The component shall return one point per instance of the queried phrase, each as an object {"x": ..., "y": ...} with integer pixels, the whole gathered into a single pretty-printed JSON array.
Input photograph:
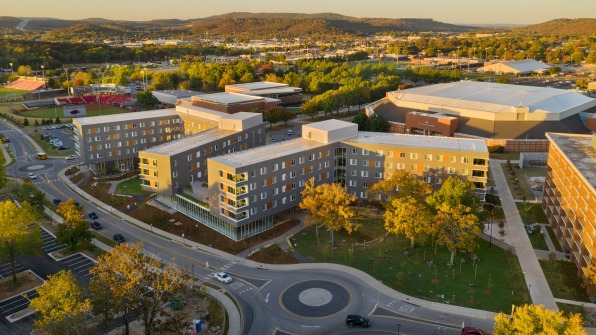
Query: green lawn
[
  {"x": 563, "y": 280},
  {"x": 531, "y": 213},
  {"x": 10, "y": 92},
  {"x": 131, "y": 186},
  {"x": 497, "y": 280}
]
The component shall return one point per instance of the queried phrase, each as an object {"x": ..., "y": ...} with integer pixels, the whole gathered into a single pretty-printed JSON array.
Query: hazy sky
[{"x": 449, "y": 11}]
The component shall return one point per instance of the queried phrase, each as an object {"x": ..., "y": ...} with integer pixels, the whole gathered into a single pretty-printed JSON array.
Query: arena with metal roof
[
  {"x": 518, "y": 67},
  {"x": 490, "y": 110}
]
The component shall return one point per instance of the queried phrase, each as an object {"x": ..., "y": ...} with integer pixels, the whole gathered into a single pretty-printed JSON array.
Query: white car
[
  {"x": 223, "y": 277},
  {"x": 71, "y": 157},
  {"x": 31, "y": 176}
]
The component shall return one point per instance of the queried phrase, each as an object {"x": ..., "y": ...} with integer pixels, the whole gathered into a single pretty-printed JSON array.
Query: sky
[{"x": 448, "y": 11}]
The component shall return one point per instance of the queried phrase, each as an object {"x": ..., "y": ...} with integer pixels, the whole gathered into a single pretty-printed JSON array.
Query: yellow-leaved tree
[
  {"x": 535, "y": 319},
  {"x": 60, "y": 306},
  {"x": 19, "y": 235},
  {"x": 74, "y": 229},
  {"x": 329, "y": 205}
]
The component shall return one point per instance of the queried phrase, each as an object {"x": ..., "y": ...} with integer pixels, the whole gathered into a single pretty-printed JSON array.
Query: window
[
  {"x": 117, "y": 127},
  {"x": 327, "y": 164},
  {"x": 428, "y": 157},
  {"x": 464, "y": 172},
  {"x": 263, "y": 170},
  {"x": 301, "y": 160},
  {"x": 108, "y": 145},
  {"x": 450, "y": 170},
  {"x": 354, "y": 151},
  {"x": 352, "y": 183},
  {"x": 479, "y": 161},
  {"x": 292, "y": 197},
  {"x": 252, "y": 186},
  {"x": 379, "y": 153},
  {"x": 311, "y": 157},
  {"x": 428, "y": 180},
  {"x": 292, "y": 174},
  {"x": 378, "y": 175},
  {"x": 437, "y": 180},
  {"x": 365, "y": 184},
  {"x": 414, "y": 167},
  {"x": 440, "y": 169},
  {"x": 174, "y": 174},
  {"x": 426, "y": 168},
  {"x": 452, "y": 159},
  {"x": 413, "y": 155},
  {"x": 389, "y": 153},
  {"x": 364, "y": 173},
  {"x": 301, "y": 183},
  {"x": 401, "y": 166},
  {"x": 440, "y": 158},
  {"x": 389, "y": 175},
  {"x": 363, "y": 195},
  {"x": 353, "y": 161},
  {"x": 97, "y": 138},
  {"x": 264, "y": 195},
  {"x": 365, "y": 152},
  {"x": 389, "y": 165},
  {"x": 365, "y": 163},
  {"x": 275, "y": 167},
  {"x": 465, "y": 160},
  {"x": 377, "y": 164},
  {"x": 106, "y": 129}
]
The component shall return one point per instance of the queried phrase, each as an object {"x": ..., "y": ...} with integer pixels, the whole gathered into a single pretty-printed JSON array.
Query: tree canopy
[
  {"x": 535, "y": 319},
  {"x": 74, "y": 229}
]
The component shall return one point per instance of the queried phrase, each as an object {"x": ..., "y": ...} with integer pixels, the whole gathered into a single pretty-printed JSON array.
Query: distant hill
[
  {"x": 9, "y": 22},
  {"x": 562, "y": 27},
  {"x": 248, "y": 25}
]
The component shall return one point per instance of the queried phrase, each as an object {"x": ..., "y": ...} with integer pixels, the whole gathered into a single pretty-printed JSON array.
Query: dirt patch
[
  {"x": 273, "y": 255},
  {"x": 25, "y": 282}
]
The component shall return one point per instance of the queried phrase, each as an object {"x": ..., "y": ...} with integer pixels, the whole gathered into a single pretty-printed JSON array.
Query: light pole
[
  {"x": 11, "y": 72},
  {"x": 486, "y": 49},
  {"x": 43, "y": 77},
  {"x": 398, "y": 325},
  {"x": 183, "y": 242}
]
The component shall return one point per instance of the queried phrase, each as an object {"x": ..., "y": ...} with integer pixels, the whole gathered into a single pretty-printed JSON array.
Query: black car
[
  {"x": 92, "y": 215},
  {"x": 357, "y": 320},
  {"x": 95, "y": 225},
  {"x": 62, "y": 148},
  {"x": 118, "y": 238},
  {"x": 57, "y": 201}
]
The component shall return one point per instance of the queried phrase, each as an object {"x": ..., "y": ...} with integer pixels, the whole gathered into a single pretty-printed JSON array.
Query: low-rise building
[
  {"x": 230, "y": 103},
  {"x": 286, "y": 94}
]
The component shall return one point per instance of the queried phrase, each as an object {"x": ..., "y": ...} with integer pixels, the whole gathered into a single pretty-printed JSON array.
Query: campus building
[
  {"x": 246, "y": 189},
  {"x": 569, "y": 199},
  {"x": 286, "y": 94},
  {"x": 230, "y": 103}
]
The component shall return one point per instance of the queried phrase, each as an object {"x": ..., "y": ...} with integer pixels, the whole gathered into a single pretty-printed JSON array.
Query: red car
[{"x": 473, "y": 331}]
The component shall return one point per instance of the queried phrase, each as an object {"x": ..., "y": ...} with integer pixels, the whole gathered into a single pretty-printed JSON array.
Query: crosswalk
[{"x": 236, "y": 285}]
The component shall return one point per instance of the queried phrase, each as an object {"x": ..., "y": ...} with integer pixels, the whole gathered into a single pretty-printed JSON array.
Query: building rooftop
[
  {"x": 579, "y": 150},
  {"x": 277, "y": 90},
  {"x": 519, "y": 66},
  {"x": 260, "y": 85},
  {"x": 495, "y": 98},
  {"x": 179, "y": 93},
  {"x": 225, "y": 98},
  {"x": 90, "y": 120},
  {"x": 187, "y": 143},
  {"x": 428, "y": 142},
  {"x": 263, "y": 153},
  {"x": 328, "y": 125}
]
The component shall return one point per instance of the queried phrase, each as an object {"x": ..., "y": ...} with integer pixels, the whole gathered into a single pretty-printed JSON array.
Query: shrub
[{"x": 496, "y": 149}]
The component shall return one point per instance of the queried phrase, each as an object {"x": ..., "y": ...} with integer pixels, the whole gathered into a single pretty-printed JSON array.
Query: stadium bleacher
[
  {"x": 89, "y": 99},
  {"x": 26, "y": 85}
]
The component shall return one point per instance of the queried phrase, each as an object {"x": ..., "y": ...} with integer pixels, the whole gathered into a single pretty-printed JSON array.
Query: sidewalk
[{"x": 540, "y": 292}]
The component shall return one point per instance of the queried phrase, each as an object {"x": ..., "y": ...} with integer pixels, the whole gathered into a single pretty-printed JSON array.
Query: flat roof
[
  {"x": 267, "y": 152},
  {"x": 190, "y": 142},
  {"x": 259, "y": 85},
  {"x": 179, "y": 93},
  {"x": 131, "y": 116},
  {"x": 328, "y": 125},
  {"x": 493, "y": 97},
  {"x": 273, "y": 90},
  {"x": 227, "y": 98},
  {"x": 579, "y": 150},
  {"x": 419, "y": 141}
]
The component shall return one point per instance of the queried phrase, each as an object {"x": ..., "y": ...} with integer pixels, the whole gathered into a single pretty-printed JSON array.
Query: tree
[
  {"x": 60, "y": 306},
  {"x": 273, "y": 116},
  {"x": 590, "y": 277},
  {"x": 503, "y": 80},
  {"x": 409, "y": 216},
  {"x": 378, "y": 123},
  {"x": 19, "y": 235},
  {"x": 535, "y": 319},
  {"x": 286, "y": 115},
  {"x": 137, "y": 285},
  {"x": 74, "y": 229},
  {"x": 361, "y": 95},
  {"x": 401, "y": 184},
  {"x": 361, "y": 119},
  {"x": 311, "y": 108},
  {"x": 25, "y": 122},
  {"x": 458, "y": 219},
  {"x": 146, "y": 99},
  {"x": 328, "y": 204}
]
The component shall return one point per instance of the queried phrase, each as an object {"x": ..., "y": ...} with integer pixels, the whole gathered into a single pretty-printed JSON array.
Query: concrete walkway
[{"x": 540, "y": 292}]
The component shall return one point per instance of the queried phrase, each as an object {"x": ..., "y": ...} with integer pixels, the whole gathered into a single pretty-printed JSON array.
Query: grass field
[
  {"x": 10, "y": 92},
  {"x": 92, "y": 110},
  {"x": 131, "y": 186},
  {"x": 494, "y": 283}
]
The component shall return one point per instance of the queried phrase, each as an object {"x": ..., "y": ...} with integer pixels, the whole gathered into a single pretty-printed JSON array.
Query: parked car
[
  {"x": 357, "y": 320},
  {"x": 223, "y": 277},
  {"x": 473, "y": 331},
  {"x": 62, "y": 148},
  {"x": 118, "y": 238},
  {"x": 92, "y": 215},
  {"x": 57, "y": 144},
  {"x": 71, "y": 157},
  {"x": 6, "y": 140},
  {"x": 57, "y": 201},
  {"x": 31, "y": 175},
  {"x": 95, "y": 225}
]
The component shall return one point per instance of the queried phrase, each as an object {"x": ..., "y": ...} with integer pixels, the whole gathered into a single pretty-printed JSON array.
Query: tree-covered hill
[{"x": 573, "y": 27}]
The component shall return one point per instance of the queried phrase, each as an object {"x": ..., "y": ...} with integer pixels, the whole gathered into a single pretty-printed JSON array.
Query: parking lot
[{"x": 62, "y": 133}]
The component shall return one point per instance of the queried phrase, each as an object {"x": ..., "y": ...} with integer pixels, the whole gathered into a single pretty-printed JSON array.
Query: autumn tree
[
  {"x": 60, "y": 306},
  {"x": 311, "y": 108},
  {"x": 74, "y": 229},
  {"x": 273, "y": 116},
  {"x": 409, "y": 216},
  {"x": 286, "y": 115},
  {"x": 329, "y": 205},
  {"x": 459, "y": 215},
  {"x": 590, "y": 276},
  {"x": 131, "y": 284},
  {"x": 535, "y": 319},
  {"x": 19, "y": 235},
  {"x": 401, "y": 184}
]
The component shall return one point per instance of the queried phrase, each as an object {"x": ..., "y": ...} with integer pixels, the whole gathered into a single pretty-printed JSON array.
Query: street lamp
[
  {"x": 43, "y": 77},
  {"x": 398, "y": 325},
  {"x": 11, "y": 72}
]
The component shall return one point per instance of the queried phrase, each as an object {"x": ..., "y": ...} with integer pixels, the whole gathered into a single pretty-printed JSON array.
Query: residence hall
[
  {"x": 484, "y": 110},
  {"x": 286, "y": 94},
  {"x": 113, "y": 142},
  {"x": 245, "y": 189},
  {"x": 569, "y": 198}
]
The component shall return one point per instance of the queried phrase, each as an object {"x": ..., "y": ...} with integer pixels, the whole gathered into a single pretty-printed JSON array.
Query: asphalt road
[{"x": 304, "y": 300}]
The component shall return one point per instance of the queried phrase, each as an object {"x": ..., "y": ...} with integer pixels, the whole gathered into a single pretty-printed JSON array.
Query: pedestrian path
[{"x": 540, "y": 292}]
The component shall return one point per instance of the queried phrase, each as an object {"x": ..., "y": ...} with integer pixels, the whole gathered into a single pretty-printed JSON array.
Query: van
[
  {"x": 41, "y": 155},
  {"x": 290, "y": 132}
]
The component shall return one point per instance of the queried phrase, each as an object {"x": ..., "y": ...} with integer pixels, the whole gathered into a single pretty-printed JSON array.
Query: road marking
[
  {"x": 315, "y": 326},
  {"x": 267, "y": 299}
]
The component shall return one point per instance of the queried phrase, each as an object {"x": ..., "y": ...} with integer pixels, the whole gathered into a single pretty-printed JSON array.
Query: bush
[{"x": 496, "y": 149}]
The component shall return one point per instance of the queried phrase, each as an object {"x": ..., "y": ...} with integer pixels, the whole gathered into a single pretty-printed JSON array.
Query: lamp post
[
  {"x": 11, "y": 72},
  {"x": 486, "y": 49},
  {"x": 43, "y": 77},
  {"x": 457, "y": 57},
  {"x": 183, "y": 242}
]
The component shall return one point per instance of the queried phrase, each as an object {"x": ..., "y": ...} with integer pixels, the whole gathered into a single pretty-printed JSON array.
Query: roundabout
[
  {"x": 35, "y": 167},
  {"x": 315, "y": 299}
]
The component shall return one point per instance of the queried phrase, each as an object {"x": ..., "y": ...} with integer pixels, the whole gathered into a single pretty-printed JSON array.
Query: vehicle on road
[
  {"x": 7, "y": 140},
  {"x": 357, "y": 320},
  {"x": 118, "y": 238},
  {"x": 92, "y": 215},
  {"x": 473, "y": 331},
  {"x": 223, "y": 277},
  {"x": 289, "y": 132},
  {"x": 31, "y": 175},
  {"x": 71, "y": 157},
  {"x": 95, "y": 225},
  {"x": 41, "y": 155},
  {"x": 57, "y": 201}
]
